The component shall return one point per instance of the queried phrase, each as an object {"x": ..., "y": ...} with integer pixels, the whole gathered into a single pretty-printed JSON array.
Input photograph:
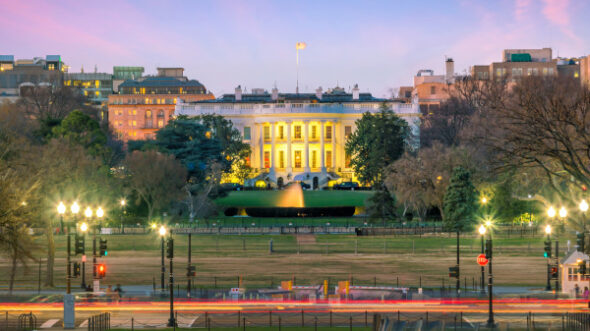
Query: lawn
[{"x": 311, "y": 198}]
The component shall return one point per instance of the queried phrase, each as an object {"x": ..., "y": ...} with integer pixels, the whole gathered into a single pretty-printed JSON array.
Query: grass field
[
  {"x": 311, "y": 198},
  {"x": 309, "y": 258}
]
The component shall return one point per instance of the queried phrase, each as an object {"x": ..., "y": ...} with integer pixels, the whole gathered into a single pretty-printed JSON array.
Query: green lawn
[{"x": 311, "y": 198}]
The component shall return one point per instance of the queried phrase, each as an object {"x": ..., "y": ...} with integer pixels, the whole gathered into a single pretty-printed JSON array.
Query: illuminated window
[
  {"x": 141, "y": 90},
  {"x": 297, "y": 131},
  {"x": 281, "y": 132},
  {"x": 97, "y": 83},
  {"x": 314, "y": 130},
  {"x": 148, "y": 113},
  {"x": 314, "y": 158},
  {"x": 544, "y": 71},
  {"x": 160, "y": 123},
  {"x": 97, "y": 93},
  {"x": 134, "y": 112},
  {"x": 328, "y": 132},
  {"x": 129, "y": 112},
  {"x": 85, "y": 93},
  {"x": 248, "y": 161},
  {"x": 347, "y": 131},
  {"x": 329, "y": 159},
  {"x": 576, "y": 74},
  {"x": 281, "y": 159},
  {"x": 180, "y": 91},
  {"x": 134, "y": 123},
  {"x": 266, "y": 132},
  {"x": 51, "y": 66},
  {"x": 267, "y": 159},
  {"x": 297, "y": 159},
  {"x": 247, "y": 133},
  {"x": 129, "y": 122},
  {"x": 174, "y": 100}
]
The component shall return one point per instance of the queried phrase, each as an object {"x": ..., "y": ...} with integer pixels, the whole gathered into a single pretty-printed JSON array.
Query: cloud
[
  {"x": 557, "y": 12},
  {"x": 521, "y": 9}
]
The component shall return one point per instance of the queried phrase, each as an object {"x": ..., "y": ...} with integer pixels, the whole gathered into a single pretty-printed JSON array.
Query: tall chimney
[
  {"x": 275, "y": 94},
  {"x": 318, "y": 93},
  {"x": 450, "y": 70},
  {"x": 239, "y": 93},
  {"x": 355, "y": 92}
]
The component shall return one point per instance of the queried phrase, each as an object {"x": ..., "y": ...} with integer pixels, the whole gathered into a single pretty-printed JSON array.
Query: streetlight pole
[
  {"x": 491, "y": 323},
  {"x": 482, "y": 232},
  {"x": 163, "y": 268},
  {"x": 171, "y": 320},
  {"x": 548, "y": 232},
  {"x": 84, "y": 228}
]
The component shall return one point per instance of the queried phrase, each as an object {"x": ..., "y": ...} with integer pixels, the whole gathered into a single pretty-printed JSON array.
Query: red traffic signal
[{"x": 101, "y": 270}]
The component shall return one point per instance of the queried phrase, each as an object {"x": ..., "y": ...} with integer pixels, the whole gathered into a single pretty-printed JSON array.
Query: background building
[
  {"x": 298, "y": 136},
  {"x": 19, "y": 74},
  {"x": 96, "y": 86},
  {"x": 144, "y": 105},
  {"x": 121, "y": 74}
]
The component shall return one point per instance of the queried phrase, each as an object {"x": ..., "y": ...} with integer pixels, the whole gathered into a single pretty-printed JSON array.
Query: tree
[
  {"x": 157, "y": 178},
  {"x": 79, "y": 128},
  {"x": 18, "y": 246},
  {"x": 382, "y": 205},
  {"x": 378, "y": 141},
  {"x": 459, "y": 206}
]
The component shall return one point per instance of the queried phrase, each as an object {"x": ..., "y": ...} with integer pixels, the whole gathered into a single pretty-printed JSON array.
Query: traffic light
[
  {"x": 101, "y": 270},
  {"x": 169, "y": 248},
  {"x": 581, "y": 267},
  {"x": 79, "y": 244},
  {"x": 580, "y": 241},
  {"x": 554, "y": 272},
  {"x": 454, "y": 272},
  {"x": 488, "y": 249},
  {"x": 547, "y": 248},
  {"x": 103, "y": 247},
  {"x": 76, "y": 269},
  {"x": 191, "y": 271}
]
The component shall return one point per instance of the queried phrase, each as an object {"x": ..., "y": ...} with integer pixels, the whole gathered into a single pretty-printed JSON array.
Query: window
[
  {"x": 281, "y": 159},
  {"x": 297, "y": 159},
  {"x": 160, "y": 113},
  {"x": 281, "y": 132},
  {"x": 148, "y": 113},
  {"x": 267, "y": 159},
  {"x": 347, "y": 131},
  {"x": 314, "y": 158},
  {"x": 572, "y": 274},
  {"x": 297, "y": 131},
  {"x": 130, "y": 123},
  {"x": 329, "y": 159},
  {"x": 134, "y": 112},
  {"x": 544, "y": 71},
  {"x": 266, "y": 132},
  {"x": 328, "y": 132},
  {"x": 97, "y": 83},
  {"x": 347, "y": 160},
  {"x": 314, "y": 130},
  {"x": 433, "y": 90},
  {"x": 134, "y": 123},
  {"x": 160, "y": 123},
  {"x": 516, "y": 72},
  {"x": 51, "y": 66},
  {"x": 550, "y": 71},
  {"x": 247, "y": 133}
]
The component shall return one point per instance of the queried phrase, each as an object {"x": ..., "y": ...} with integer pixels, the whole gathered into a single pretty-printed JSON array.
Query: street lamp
[
  {"x": 562, "y": 212},
  {"x": 551, "y": 212},
  {"x": 484, "y": 200},
  {"x": 162, "y": 232},
  {"x": 490, "y": 323},
  {"x": 84, "y": 228},
  {"x": 482, "y": 232},
  {"x": 548, "y": 233},
  {"x": 61, "y": 209}
]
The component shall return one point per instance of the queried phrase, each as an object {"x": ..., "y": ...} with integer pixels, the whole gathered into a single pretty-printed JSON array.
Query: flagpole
[{"x": 297, "y": 88}]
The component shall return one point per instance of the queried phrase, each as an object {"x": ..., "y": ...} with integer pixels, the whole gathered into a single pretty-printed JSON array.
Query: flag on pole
[{"x": 300, "y": 45}]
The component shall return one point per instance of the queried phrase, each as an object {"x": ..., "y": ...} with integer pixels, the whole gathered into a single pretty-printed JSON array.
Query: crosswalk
[
  {"x": 49, "y": 323},
  {"x": 125, "y": 322}
]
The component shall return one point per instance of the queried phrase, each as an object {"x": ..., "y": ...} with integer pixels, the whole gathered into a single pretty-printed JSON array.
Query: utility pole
[
  {"x": 458, "y": 283},
  {"x": 163, "y": 269},
  {"x": 490, "y": 323},
  {"x": 188, "y": 269},
  {"x": 170, "y": 244}
]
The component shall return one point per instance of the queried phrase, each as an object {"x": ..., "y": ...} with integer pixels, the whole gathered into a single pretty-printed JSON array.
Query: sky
[{"x": 379, "y": 45}]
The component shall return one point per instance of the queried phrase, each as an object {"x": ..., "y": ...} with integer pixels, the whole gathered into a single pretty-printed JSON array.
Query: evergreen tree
[{"x": 460, "y": 202}]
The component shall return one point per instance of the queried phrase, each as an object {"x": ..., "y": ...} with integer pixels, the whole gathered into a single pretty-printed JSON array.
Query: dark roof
[
  {"x": 294, "y": 97},
  {"x": 6, "y": 58},
  {"x": 160, "y": 82}
]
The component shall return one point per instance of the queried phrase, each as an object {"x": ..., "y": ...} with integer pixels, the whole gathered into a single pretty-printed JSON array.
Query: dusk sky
[{"x": 378, "y": 44}]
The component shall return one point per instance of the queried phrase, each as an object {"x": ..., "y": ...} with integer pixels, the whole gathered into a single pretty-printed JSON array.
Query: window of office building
[
  {"x": 297, "y": 131},
  {"x": 281, "y": 159},
  {"x": 281, "y": 132},
  {"x": 314, "y": 130},
  {"x": 266, "y": 132},
  {"x": 267, "y": 159},
  {"x": 347, "y": 131},
  {"x": 297, "y": 159},
  {"x": 516, "y": 72},
  {"x": 160, "y": 123},
  {"x": 328, "y": 132},
  {"x": 329, "y": 159},
  {"x": 314, "y": 159},
  {"x": 247, "y": 133},
  {"x": 433, "y": 90}
]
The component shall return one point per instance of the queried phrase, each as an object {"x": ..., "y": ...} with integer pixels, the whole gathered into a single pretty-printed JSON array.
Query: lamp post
[
  {"x": 491, "y": 323},
  {"x": 61, "y": 209},
  {"x": 83, "y": 229},
  {"x": 482, "y": 232},
  {"x": 162, "y": 232},
  {"x": 123, "y": 204},
  {"x": 548, "y": 233},
  {"x": 584, "y": 208}
]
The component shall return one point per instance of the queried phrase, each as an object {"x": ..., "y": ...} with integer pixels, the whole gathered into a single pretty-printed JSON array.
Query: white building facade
[{"x": 298, "y": 137}]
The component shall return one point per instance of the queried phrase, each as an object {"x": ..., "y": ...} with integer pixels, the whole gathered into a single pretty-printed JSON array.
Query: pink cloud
[
  {"x": 556, "y": 11},
  {"x": 521, "y": 9}
]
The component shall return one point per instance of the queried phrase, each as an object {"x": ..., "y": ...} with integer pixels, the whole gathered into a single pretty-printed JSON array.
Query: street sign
[{"x": 482, "y": 260}]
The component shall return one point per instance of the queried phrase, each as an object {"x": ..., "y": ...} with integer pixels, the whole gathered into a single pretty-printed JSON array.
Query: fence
[
  {"x": 20, "y": 322},
  {"x": 99, "y": 322},
  {"x": 577, "y": 321}
]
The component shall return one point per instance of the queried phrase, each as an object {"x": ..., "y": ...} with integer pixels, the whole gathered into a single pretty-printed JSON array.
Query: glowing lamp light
[
  {"x": 583, "y": 206},
  {"x": 562, "y": 212},
  {"x": 84, "y": 227},
  {"x": 551, "y": 212},
  {"x": 482, "y": 229},
  {"x": 548, "y": 229},
  {"x": 99, "y": 212},
  {"x": 61, "y": 208},
  {"x": 484, "y": 200},
  {"x": 154, "y": 226},
  {"x": 75, "y": 208},
  {"x": 123, "y": 202},
  {"x": 162, "y": 231},
  {"x": 488, "y": 223},
  {"x": 88, "y": 212}
]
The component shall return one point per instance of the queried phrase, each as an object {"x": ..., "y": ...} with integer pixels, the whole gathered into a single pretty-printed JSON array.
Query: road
[{"x": 260, "y": 312}]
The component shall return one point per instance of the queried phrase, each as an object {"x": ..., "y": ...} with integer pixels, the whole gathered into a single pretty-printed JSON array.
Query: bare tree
[{"x": 157, "y": 178}]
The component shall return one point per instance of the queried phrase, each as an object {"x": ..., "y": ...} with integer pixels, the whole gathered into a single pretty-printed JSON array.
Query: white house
[{"x": 569, "y": 273}]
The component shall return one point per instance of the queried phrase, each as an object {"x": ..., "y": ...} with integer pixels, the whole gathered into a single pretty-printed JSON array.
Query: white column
[
  {"x": 272, "y": 151},
  {"x": 334, "y": 144},
  {"x": 289, "y": 164},
  {"x": 323, "y": 157},
  {"x": 261, "y": 145},
  {"x": 306, "y": 140}
]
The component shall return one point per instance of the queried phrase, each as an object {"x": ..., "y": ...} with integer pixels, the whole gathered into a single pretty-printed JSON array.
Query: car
[
  {"x": 232, "y": 186},
  {"x": 346, "y": 186},
  {"x": 304, "y": 185}
]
